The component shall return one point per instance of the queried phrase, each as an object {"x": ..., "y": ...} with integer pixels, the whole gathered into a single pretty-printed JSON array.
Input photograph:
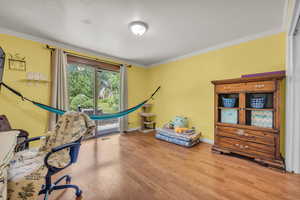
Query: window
[{"x": 94, "y": 88}]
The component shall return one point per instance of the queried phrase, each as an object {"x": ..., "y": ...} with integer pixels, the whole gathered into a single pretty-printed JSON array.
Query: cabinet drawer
[
  {"x": 249, "y": 148},
  {"x": 226, "y": 88},
  {"x": 262, "y": 86},
  {"x": 261, "y": 137}
]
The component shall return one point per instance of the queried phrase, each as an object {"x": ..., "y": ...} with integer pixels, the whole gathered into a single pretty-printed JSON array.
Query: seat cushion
[
  {"x": 26, "y": 175},
  {"x": 28, "y": 187},
  {"x": 69, "y": 128},
  {"x": 24, "y": 163},
  {"x": 27, "y": 172}
]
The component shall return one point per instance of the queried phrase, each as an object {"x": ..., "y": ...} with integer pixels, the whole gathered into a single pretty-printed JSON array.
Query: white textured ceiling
[{"x": 176, "y": 27}]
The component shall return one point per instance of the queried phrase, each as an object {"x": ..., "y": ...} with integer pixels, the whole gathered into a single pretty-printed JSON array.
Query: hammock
[{"x": 93, "y": 117}]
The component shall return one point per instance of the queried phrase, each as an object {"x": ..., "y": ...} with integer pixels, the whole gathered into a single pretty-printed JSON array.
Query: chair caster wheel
[
  {"x": 79, "y": 198},
  {"x": 68, "y": 180},
  {"x": 79, "y": 195}
]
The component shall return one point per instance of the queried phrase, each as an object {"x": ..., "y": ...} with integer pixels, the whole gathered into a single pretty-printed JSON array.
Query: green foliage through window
[{"x": 80, "y": 88}]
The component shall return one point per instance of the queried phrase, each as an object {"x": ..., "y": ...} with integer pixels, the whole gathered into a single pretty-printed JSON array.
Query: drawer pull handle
[
  {"x": 246, "y": 147},
  {"x": 237, "y": 145},
  {"x": 260, "y": 86},
  {"x": 240, "y": 132}
]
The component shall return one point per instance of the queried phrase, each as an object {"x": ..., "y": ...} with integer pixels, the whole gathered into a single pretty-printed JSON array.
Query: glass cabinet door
[
  {"x": 229, "y": 108},
  {"x": 260, "y": 110}
]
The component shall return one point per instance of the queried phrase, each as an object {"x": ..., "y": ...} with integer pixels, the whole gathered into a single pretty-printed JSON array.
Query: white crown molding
[
  {"x": 219, "y": 46},
  {"x": 292, "y": 24},
  {"x": 67, "y": 46}
]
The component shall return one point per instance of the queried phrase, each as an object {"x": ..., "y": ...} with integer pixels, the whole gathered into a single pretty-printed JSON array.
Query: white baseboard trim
[
  {"x": 133, "y": 129},
  {"x": 208, "y": 141}
]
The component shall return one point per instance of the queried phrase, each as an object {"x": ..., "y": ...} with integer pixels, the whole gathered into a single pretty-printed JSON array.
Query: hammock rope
[{"x": 93, "y": 117}]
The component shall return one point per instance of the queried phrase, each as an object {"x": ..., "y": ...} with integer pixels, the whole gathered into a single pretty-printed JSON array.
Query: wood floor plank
[{"x": 137, "y": 166}]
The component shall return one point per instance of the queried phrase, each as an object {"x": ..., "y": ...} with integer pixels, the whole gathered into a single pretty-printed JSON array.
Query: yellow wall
[
  {"x": 137, "y": 92},
  {"x": 24, "y": 115},
  {"x": 186, "y": 88},
  {"x": 186, "y": 83},
  {"x": 21, "y": 114}
]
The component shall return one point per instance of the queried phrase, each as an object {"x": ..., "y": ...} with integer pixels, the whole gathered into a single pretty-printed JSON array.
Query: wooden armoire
[{"x": 248, "y": 131}]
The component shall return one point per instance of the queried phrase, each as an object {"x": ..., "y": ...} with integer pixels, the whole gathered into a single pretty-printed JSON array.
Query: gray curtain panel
[
  {"x": 59, "y": 89},
  {"x": 124, "y": 98}
]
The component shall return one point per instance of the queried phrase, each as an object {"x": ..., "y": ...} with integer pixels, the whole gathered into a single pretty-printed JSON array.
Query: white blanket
[{"x": 24, "y": 163}]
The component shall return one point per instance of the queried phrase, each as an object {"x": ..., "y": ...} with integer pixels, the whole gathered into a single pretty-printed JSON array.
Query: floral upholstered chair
[{"x": 31, "y": 169}]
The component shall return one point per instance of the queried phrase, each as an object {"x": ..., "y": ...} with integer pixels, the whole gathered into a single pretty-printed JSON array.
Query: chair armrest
[
  {"x": 56, "y": 149},
  {"x": 33, "y": 139},
  {"x": 27, "y": 141},
  {"x": 64, "y": 146}
]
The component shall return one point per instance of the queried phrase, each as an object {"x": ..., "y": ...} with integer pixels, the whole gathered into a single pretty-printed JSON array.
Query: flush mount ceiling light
[{"x": 138, "y": 27}]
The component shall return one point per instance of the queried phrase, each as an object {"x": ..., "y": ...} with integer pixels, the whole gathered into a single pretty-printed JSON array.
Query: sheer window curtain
[
  {"x": 124, "y": 98},
  {"x": 59, "y": 89}
]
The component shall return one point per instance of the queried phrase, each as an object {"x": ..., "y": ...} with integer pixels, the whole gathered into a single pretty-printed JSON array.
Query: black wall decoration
[
  {"x": 16, "y": 62},
  {"x": 2, "y": 61}
]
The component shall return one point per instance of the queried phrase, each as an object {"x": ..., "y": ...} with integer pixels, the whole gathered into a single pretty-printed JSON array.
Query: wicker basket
[
  {"x": 228, "y": 102},
  {"x": 257, "y": 102}
]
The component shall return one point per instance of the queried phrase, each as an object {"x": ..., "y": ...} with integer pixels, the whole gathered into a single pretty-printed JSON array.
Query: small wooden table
[{"x": 8, "y": 141}]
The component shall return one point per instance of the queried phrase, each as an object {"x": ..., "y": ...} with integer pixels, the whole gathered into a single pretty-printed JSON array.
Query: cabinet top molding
[{"x": 249, "y": 79}]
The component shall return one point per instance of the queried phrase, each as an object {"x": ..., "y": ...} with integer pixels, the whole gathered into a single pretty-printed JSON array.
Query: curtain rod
[{"x": 91, "y": 58}]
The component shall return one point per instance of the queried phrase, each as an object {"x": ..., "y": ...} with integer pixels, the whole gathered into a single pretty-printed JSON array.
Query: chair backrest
[
  {"x": 74, "y": 151},
  {"x": 4, "y": 123},
  {"x": 69, "y": 128}
]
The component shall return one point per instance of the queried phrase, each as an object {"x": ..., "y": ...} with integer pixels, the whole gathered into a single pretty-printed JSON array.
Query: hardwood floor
[{"x": 137, "y": 166}]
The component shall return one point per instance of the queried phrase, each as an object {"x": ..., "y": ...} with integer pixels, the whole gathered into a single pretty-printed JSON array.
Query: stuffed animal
[
  {"x": 180, "y": 130},
  {"x": 181, "y": 122},
  {"x": 178, "y": 122},
  {"x": 169, "y": 125}
]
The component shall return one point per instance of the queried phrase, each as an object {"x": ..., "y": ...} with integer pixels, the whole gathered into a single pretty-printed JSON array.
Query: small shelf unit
[{"x": 147, "y": 119}]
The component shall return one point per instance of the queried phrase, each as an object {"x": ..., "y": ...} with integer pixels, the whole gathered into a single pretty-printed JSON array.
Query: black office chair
[
  {"x": 59, "y": 150},
  {"x": 49, "y": 187}
]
